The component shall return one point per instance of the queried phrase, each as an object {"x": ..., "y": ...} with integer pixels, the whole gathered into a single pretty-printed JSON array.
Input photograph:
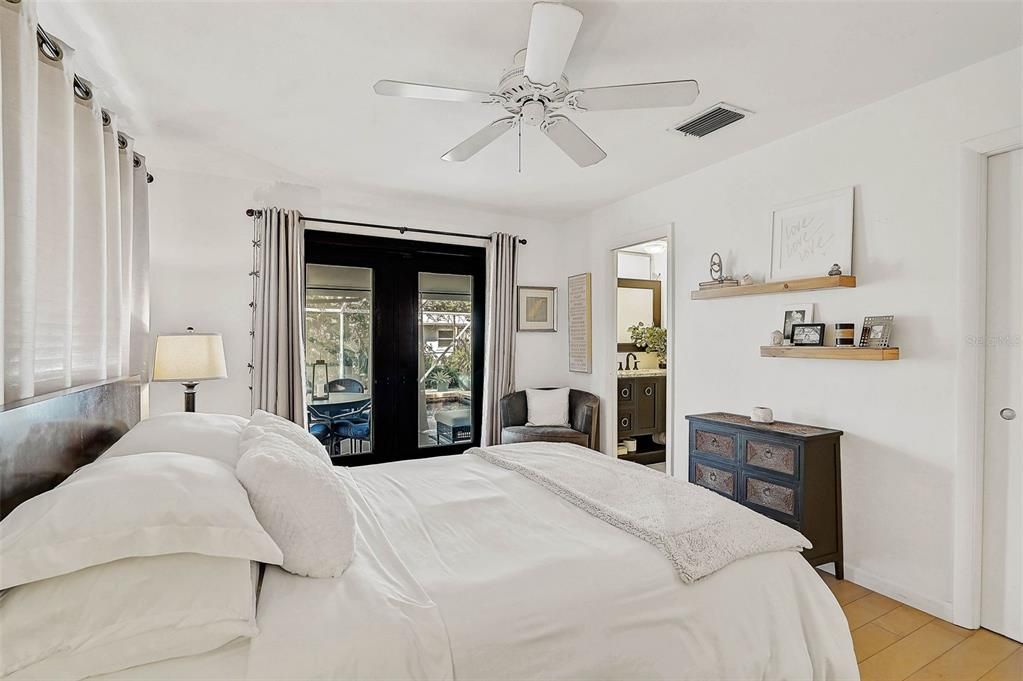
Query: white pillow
[
  {"x": 302, "y": 503},
  {"x": 128, "y": 506},
  {"x": 214, "y": 436},
  {"x": 264, "y": 422},
  {"x": 129, "y": 612},
  {"x": 547, "y": 407}
]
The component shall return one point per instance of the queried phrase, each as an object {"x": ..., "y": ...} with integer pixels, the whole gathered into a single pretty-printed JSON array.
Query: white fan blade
[
  {"x": 396, "y": 88},
  {"x": 573, "y": 141},
  {"x": 638, "y": 96},
  {"x": 474, "y": 144},
  {"x": 552, "y": 31}
]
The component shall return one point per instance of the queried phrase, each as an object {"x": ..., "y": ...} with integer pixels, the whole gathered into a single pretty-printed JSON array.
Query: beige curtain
[
  {"x": 74, "y": 223},
  {"x": 278, "y": 381},
  {"x": 499, "y": 334}
]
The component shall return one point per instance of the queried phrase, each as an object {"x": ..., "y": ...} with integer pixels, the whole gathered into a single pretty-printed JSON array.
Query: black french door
[{"x": 394, "y": 345}]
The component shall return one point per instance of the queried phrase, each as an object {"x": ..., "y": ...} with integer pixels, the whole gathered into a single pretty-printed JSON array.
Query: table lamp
[{"x": 188, "y": 358}]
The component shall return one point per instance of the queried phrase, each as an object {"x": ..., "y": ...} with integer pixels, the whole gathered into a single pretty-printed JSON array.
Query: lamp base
[{"x": 190, "y": 396}]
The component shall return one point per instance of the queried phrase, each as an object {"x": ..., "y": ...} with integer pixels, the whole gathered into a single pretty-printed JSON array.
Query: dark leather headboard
[{"x": 44, "y": 439}]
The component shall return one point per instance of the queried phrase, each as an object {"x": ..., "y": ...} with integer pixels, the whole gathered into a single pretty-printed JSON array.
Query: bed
[{"x": 467, "y": 570}]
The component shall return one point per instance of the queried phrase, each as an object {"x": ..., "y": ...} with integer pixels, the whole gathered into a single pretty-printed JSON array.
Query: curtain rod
[{"x": 256, "y": 212}]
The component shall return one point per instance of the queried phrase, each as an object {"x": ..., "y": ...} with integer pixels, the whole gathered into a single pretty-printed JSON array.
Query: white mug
[{"x": 762, "y": 415}]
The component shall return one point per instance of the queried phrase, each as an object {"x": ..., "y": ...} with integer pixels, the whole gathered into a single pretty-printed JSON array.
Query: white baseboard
[{"x": 942, "y": 609}]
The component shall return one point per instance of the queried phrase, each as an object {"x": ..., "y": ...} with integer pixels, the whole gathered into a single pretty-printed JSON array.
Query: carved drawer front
[
  {"x": 770, "y": 495},
  {"x": 718, "y": 444},
  {"x": 715, "y": 478},
  {"x": 625, "y": 421},
  {"x": 626, "y": 392},
  {"x": 773, "y": 456}
]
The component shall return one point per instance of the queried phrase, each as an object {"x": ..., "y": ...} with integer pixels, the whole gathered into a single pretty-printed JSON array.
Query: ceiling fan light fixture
[{"x": 533, "y": 113}]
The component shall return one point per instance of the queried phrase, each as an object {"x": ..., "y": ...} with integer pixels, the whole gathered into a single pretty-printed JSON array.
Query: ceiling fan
[{"x": 535, "y": 91}]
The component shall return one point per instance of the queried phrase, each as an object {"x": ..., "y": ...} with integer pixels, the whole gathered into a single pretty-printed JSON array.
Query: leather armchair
[{"x": 583, "y": 410}]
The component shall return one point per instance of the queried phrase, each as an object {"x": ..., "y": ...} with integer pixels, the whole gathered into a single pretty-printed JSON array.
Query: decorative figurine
[
  {"x": 762, "y": 415},
  {"x": 717, "y": 275},
  {"x": 776, "y": 337},
  {"x": 835, "y": 270},
  {"x": 716, "y": 268},
  {"x": 747, "y": 280}
]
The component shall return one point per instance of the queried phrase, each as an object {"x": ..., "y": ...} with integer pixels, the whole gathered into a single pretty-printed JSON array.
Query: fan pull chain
[{"x": 520, "y": 145}]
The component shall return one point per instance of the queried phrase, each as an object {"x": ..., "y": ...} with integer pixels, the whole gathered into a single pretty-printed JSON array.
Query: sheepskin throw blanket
[{"x": 699, "y": 531}]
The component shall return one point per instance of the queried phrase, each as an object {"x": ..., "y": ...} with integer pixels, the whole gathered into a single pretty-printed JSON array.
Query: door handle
[{"x": 1008, "y": 413}]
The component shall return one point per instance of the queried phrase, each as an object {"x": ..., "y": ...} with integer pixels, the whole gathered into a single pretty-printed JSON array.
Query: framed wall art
[
  {"x": 580, "y": 320},
  {"x": 537, "y": 308},
  {"x": 811, "y": 235}
]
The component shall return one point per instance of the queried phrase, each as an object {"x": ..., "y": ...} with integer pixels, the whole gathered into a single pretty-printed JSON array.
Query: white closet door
[{"x": 1002, "y": 585}]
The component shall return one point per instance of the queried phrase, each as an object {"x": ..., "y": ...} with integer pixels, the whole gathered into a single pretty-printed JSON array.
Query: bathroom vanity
[{"x": 642, "y": 412}]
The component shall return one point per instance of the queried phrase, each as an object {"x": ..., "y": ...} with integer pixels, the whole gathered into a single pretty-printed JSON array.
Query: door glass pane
[
  {"x": 445, "y": 359},
  {"x": 339, "y": 357}
]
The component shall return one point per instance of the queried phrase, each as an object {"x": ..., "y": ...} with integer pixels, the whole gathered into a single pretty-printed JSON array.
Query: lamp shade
[{"x": 187, "y": 357}]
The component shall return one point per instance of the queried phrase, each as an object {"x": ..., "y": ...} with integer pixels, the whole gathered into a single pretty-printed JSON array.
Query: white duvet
[{"x": 466, "y": 570}]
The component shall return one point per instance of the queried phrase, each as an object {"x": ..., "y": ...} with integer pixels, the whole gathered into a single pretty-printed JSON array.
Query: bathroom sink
[{"x": 631, "y": 373}]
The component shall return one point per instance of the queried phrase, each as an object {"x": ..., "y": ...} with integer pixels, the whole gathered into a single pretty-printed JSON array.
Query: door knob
[{"x": 1008, "y": 413}]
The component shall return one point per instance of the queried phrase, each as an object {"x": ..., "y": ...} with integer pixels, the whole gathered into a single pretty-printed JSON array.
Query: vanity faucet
[{"x": 631, "y": 357}]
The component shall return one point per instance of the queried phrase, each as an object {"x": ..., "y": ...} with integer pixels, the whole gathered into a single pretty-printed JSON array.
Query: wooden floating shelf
[
  {"x": 822, "y": 352},
  {"x": 808, "y": 284}
]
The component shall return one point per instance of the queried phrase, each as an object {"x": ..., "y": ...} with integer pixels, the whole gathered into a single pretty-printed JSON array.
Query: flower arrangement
[{"x": 651, "y": 339}]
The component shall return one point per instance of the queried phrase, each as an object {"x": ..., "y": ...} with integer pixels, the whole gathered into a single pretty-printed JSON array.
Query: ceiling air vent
[{"x": 715, "y": 118}]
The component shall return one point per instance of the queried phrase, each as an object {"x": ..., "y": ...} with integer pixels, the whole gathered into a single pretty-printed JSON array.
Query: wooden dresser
[{"x": 786, "y": 471}]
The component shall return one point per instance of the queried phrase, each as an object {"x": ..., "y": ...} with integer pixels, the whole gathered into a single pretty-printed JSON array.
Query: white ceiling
[{"x": 283, "y": 90}]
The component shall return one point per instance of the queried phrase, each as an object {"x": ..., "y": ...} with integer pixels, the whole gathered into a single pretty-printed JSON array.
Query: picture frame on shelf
[
  {"x": 877, "y": 331},
  {"x": 536, "y": 308},
  {"x": 811, "y": 235},
  {"x": 808, "y": 335},
  {"x": 795, "y": 314}
]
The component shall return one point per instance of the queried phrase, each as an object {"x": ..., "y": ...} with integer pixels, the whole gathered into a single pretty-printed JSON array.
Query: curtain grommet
[
  {"x": 81, "y": 89},
  {"x": 122, "y": 141},
  {"x": 149, "y": 178},
  {"x": 106, "y": 118},
  {"x": 136, "y": 162},
  {"x": 48, "y": 47}
]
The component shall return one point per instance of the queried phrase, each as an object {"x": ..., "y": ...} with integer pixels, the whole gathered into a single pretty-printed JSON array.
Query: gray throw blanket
[{"x": 699, "y": 531}]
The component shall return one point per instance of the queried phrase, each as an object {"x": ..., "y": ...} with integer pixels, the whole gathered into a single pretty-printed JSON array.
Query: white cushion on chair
[{"x": 547, "y": 407}]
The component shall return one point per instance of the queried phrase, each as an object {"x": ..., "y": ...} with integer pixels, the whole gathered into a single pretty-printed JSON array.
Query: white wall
[
  {"x": 201, "y": 258},
  {"x": 898, "y": 456},
  {"x": 901, "y": 154}
]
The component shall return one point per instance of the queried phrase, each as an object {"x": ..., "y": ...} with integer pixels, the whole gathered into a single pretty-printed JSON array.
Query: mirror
[{"x": 639, "y": 300}]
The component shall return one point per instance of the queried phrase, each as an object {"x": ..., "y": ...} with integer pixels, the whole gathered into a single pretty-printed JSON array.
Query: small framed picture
[
  {"x": 795, "y": 314},
  {"x": 877, "y": 331},
  {"x": 537, "y": 308},
  {"x": 808, "y": 334}
]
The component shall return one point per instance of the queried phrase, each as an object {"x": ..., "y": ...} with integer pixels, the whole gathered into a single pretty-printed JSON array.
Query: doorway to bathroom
[{"x": 642, "y": 312}]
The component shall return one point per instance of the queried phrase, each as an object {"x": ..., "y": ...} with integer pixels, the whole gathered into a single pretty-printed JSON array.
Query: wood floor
[{"x": 894, "y": 642}]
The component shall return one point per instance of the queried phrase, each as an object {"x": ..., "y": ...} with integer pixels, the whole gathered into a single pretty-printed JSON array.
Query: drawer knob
[
  {"x": 713, "y": 477},
  {"x": 713, "y": 440},
  {"x": 767, "y": 491},
  {"x": 625, "y": 422},
  {"x": 649, "y": 391},
  {"x": 769, "y": 454},
  {"x": 625, "y": 392}
]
